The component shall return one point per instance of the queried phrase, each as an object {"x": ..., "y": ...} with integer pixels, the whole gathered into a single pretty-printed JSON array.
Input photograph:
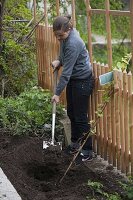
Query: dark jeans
[{"x": 77, "y": 94}]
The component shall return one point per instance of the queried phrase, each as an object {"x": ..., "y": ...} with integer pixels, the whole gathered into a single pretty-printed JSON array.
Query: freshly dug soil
[{"x": 35, "y": 173}]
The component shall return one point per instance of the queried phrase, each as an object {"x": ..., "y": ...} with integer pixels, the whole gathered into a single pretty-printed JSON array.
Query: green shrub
[
  {"x": 27, "y": 113},
  {"x": 128, "y": 187},
  {"x": 98, "y": 189}
]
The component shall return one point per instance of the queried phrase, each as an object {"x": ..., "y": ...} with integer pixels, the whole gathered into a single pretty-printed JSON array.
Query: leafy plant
[
  {"x": 125, "y": 63},
  {"x": 128, "y": 187},
  {"x": 97, "y": 188},
  {"x": 27, "y": 113}
]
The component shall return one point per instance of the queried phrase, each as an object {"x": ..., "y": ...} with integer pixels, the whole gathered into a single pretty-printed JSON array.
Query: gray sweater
[{"x": 75, "y": 60}]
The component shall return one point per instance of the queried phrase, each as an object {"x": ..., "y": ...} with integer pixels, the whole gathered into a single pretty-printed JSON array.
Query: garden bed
[{"x": 35, "y": 173}]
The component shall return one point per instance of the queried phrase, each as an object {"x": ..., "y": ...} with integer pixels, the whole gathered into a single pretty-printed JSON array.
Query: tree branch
[{"x": 30, "y": 33}]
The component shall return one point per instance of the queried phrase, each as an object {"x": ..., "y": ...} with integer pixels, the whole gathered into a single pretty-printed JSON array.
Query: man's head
[{"x": 62, "y": 26}]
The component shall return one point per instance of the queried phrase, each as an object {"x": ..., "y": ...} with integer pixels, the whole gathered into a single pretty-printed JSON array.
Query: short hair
[{"x": 62, "y": 23}]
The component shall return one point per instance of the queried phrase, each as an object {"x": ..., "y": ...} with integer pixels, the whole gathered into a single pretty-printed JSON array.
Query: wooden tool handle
[{"x": 55, "y": 79}]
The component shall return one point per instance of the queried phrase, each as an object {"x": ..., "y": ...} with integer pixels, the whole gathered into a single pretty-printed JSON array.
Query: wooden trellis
[{"x": 89, "y": 11}]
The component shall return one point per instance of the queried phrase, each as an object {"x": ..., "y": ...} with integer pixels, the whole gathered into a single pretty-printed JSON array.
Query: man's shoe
[
  {"x": 87, "y": 158},
  {"x": 82, "y": 158}
]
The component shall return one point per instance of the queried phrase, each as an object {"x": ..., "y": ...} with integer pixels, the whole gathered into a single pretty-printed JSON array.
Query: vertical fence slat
[
  {"x": 51, "y": 56},
  {"x": 40, "y": 47},
  {"x": 102, "y": 117},
  {"x": 117, "y": 132},
  {"x": 46, "y": 80},
  {"x": 48, "y": 54},
  {"x": 38, "y": 55},
  {"x": 96, "y": 103},
  {"x": 101, "y": 126},
  {"x": 122, "y": 121},
  {"x": 130, "y": 92},
  {"x": 114, "y": 112},
  {"x": 131, "y": 134},
  {"x": 109, "y": 132},
  {"x": 126, "y": 119},
  {"x": 43, "y": 56},
  {"x": 93, "y": 101},
  {"x": 117, "y": 120},
  {"x": 105, "y": 126}
]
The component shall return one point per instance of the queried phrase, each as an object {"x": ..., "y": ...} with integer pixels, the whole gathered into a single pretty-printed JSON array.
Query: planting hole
[{"x": 43, "y": 173}]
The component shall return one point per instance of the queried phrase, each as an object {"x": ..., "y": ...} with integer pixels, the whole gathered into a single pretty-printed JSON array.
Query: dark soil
[{"x": 35, "y": 173}]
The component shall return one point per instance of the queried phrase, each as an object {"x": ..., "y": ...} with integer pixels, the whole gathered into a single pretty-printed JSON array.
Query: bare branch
[{"x": 30, "y": 33}]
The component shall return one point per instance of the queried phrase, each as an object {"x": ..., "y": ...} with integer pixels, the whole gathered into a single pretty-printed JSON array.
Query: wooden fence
[
  {"x": 47, "y": 50},
  {"x": 114, "y": 132}
]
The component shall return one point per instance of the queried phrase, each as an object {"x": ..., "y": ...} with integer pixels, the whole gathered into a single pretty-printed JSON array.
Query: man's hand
[
  {"x": 55, "y": 64},
  {"x": 55, "y": 99}
]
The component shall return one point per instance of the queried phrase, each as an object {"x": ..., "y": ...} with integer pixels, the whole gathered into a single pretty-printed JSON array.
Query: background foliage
[
  {"x": 120, "y": 26},
  {"x": 98, "y": 21},
  {"x": 120, "y": 29},
  {"x": 17, "y": 58}
]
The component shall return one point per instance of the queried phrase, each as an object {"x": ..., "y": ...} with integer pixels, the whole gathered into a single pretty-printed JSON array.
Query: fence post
[
  {"x": 108, "y": 29},
  {"x": 34, "y": 5},
  {"x": 57, "y": 7},
  {"x": 45, "y": 13},
  {"x": 131, "y": 17},
  {"x": 88, "y": 10},
  {"x": 126, "y": 119},
  {"x": 73, "y": 13}
]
